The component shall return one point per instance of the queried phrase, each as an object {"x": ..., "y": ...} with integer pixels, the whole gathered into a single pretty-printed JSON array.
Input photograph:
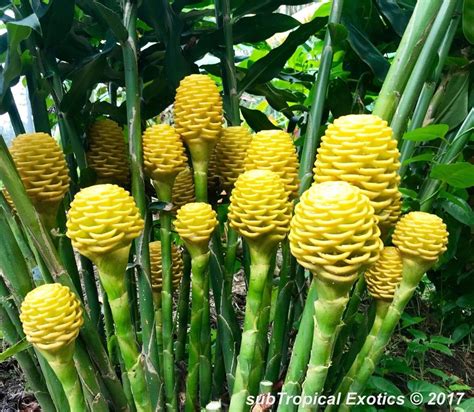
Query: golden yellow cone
[
  {"x": 421, "y": 235},
  {"x": 259, "y": 208},
  {"x": 102, "y": 219},
  {"x": 392, "y": 214},
  {"x": 183, "y": 189},
  {"x": 156, "y": 266},
  {"x": 213, "y": 177},
  {"x": 274, "y": 150},
  {"x": 198, "y": 114},
  {"x": 163, "y": 153},
  {"x": 231, "y": 151},
  {"x": 108, "y": 152},
  {"x": 51, "y": 316},
  {"x": 360, "y": 150},
  {"x": 385, "y": 274},
  {"x": 334, "y": 232},
  {"x": 195, "y": 223},
  {"x": 42, "y": 168}
]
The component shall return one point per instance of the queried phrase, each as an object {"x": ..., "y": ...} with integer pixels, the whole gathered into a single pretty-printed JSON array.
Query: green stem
[
  {"x": 183, "y": 308},
  {"x": 259, "y": 278},
  {"x": 205, "y": 367},
  {"x": 422, "y": 68},
  {"x": 328, "y": 311},
  {"x": 406, "y": 57},
  {"x": 13, "y": 113},
  {"x": 196, "y": 362},
  {"x": 159, "y": 337},
  {"x": 145, "y": 295},
  {"x": 381, "y": 311},
  {"x": 164, "y": 194},
  {"x": 301, "y": 354},
  {"x": 92, "y": 296},
  {"x": 112, "y": 275},
  {"x": 200, "y": 181},
  {"x": 311, "y": 141}
]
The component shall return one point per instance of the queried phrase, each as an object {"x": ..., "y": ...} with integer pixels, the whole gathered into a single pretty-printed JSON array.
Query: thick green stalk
[
  {"x": 413, "y": 271},
  {"x": 422, "y": 68},
  {"x": 259, "y": 278},
  {"x": 280, "y": 322},
  {"x": 163, "y": 190},
  {"x": 381, "y": 311},
  {"x": 196, "y": 361},
  {"x": 301, "y": 354},
  {"x": 311, "y": 141},
  {"x": 62, "y": 364},
  {"x": 112, "y": 275},
  {"x": 205, "y": 366},
  {"x": 159, "y": 338},
  {"x": 145, "y": 295},
  {"x": 200, "y": 180},
  {"x": 43, "y": 244},
  {"x": 183, "y": 308},
  {"x": 408, "y": 147},
  {"x": 406, "y": 57},
  {"x": 13, "y": 113},
  {"x": 328, "y": 311}
]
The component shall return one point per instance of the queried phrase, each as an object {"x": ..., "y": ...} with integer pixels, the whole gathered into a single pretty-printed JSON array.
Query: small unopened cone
[
  {"x": 183, "y": 189},
  {"x": 156, "y": 266},
  {"x": 385, "y": 274}
]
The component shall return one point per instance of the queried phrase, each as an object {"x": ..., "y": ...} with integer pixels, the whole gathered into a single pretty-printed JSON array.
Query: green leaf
[
  {"x": 427, "y": 133},
  {"x": 408, "y": 320},
  {"x": 14, "y": 349},
  {"x": 466, "y": 301},
  {"x": 266, "y": 68},
  {"x": 418, "y": 334},
  {"x": 384, "y": 385},
  {"x": 468, "y": 19},
  {"x": 257, "y": 120},
  {"x": 441, "y": 339},
  {"x": 457, "y": 208},
  {"x": 425, "y": 157},
  {"x": 425, "y": 388},
  {"x": 461, "y": 332},
  {"x": 459, "y": 175},
  {"x": 397, "y": 17},
  {"x": 338, "y": 32},
  {"x": 113, "y": 21},
  {"x": 439, "y": 373},
  {"x": 440, "y": 348},
  {"x": 57, "y": 21},
  {"x": 466, "y": 406}
]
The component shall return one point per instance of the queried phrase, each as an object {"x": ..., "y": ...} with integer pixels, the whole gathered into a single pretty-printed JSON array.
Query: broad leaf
[
  {"x": 397, "y": 17},
  {"x": 114, "y": 22},
  {"x": 468, "y": 20},
  {"x": 457, "y": 208},
  {"x": 257, "y": 120},
  {"x": 459, "y": 175},
  {"x": 427, "y": 133}
]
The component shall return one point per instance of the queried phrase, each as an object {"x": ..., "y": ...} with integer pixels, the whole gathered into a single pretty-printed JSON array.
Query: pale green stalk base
[
  {"x": 328, "y": 311},
  {"x": 259, "y": 278},
  {"x": 112, "y": 275}
]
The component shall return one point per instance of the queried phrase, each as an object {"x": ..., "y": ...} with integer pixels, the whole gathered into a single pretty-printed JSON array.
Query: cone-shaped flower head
[
  {"x": 198, "y": 115},
  {"x": 51, "y": 316},
  {"x": 103, "y": 219},
  {"x": 259, "y": 208},
  {"x": 421, "y": 235},
  {"x": 43, "y": 170},
  {"x": 393, "y": 213},
  {"x": 163, "y": 153},
  {"x": 183, "y": 189},
  {"x": 360, "y": 150},
  {"x": 334, "y": 232},
  {"x": 385, "y": 275},
  {"x": 274, "y": 150},
  {"x": 231, "y": 151},
  {"x": 195, "y": 223},
  {"x": 108, "y": 152},
  {"x": 156, "y": 266}
]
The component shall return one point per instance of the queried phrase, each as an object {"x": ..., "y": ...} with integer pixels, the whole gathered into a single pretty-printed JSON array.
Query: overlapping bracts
[
  {"x": 103, "y": 218},
  {"x": 108, "y": 152},
  {"x": 42, "y": 168},
  {"x": 274, "y": 150},
  {"x": 157, "y": 269},
  {"x": 334, "y": 232},
  {"x": 259, "y": 206},
  {"x": 392, "y": 214},
  {"x": 360, "y": 150},
  {"x": 195, "y": 223},
  {"x": 183, "y": 189},
  {"x": 198, "y": 109},
  {"x": 421, "y": 235},
  {"x": 231, "y": 151},
  {"x": 385, "y": 275},
  {"x": 163, "y": 152},
  {"x": 51, "y": 316}
]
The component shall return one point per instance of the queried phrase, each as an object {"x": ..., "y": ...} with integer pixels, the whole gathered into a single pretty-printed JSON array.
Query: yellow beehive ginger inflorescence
[
  {"x": 156, "y": 266},
  {"x": 108, "y": 152},
  {"x": 183, "y": 189},
  {"x": 163, "y": 152},
  {"x": 198, "y": 114},
  {"x": 384, "y": 276},
  {"x": 259, "y": 207},
  {"x": 102, "y": 219},
  {"x": 392, "y": 214},
  {"x": 231, "y": 151},
  {"x": 360, "y": 150},
  {"x": 195, "y": 223},
  {"x": 51, "y": 316},
  {"x": 421, "y": 235},
  {"x": 42, "y": 168},
  {"x": 334, "y": 231},
  {"x": 274, "y": 150}
]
